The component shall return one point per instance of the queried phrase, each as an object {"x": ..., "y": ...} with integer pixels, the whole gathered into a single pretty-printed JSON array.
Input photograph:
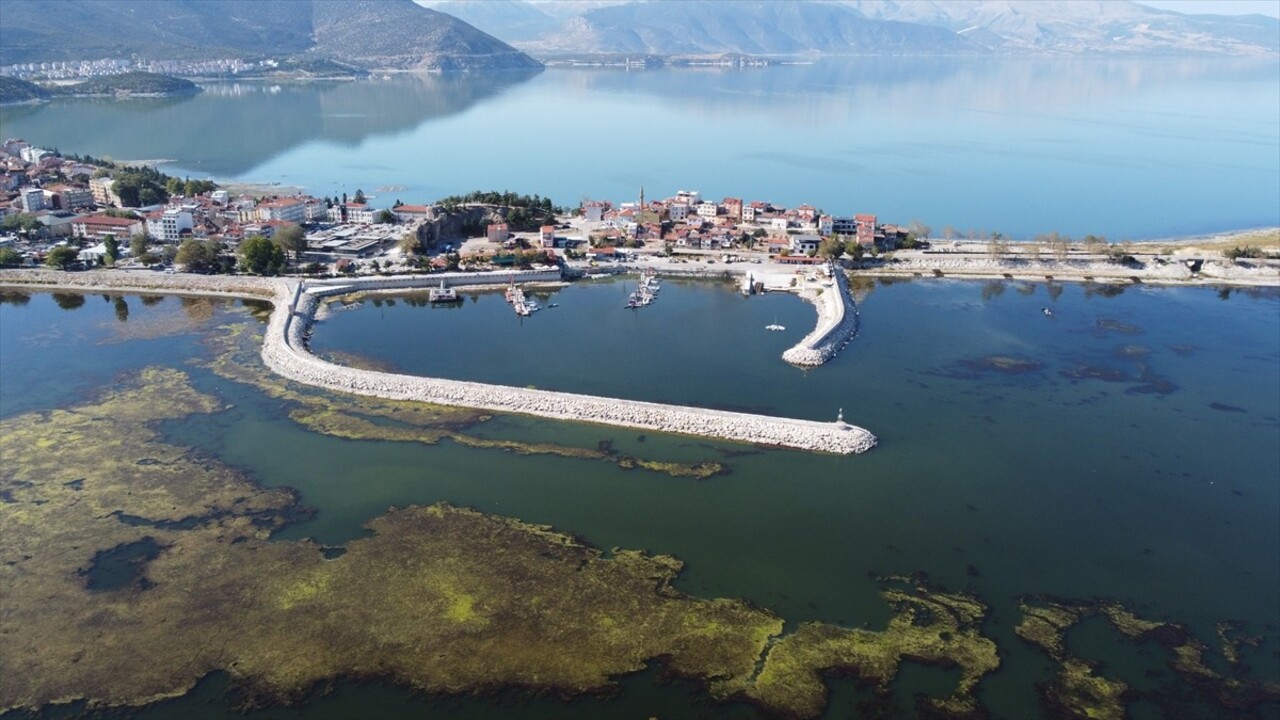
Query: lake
[
  {"x": 1130, "y": 452},
  {"x": 1125, "y": 149}
]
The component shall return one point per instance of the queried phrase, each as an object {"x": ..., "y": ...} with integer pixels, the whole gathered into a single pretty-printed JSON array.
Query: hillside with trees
[
  {"x": 397, "y": 34},
  {"x": 131, "y": 83},
  {"x": 14, "y": 91}
]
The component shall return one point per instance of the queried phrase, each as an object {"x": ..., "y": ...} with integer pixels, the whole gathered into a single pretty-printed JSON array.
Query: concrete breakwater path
[{"x": 285, "y": 352}]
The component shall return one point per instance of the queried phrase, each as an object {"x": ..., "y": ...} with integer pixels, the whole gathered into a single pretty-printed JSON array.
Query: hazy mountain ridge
[
  {"x": 510, "y": 20},
  {"x": 1085, "y": 26},
  {"x": 383, "y": 34},
  {"x": 664, "y": 27},
  {"x": 758, "y": 28}
]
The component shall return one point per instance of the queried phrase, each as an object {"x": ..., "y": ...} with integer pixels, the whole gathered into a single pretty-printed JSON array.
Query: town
[{"x": 73, "y": 213}]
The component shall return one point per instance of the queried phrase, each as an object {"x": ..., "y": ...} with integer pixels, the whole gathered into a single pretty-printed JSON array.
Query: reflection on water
[
  {"x": 232, "y": 127},
  {"x": 1121, "y": 148}
]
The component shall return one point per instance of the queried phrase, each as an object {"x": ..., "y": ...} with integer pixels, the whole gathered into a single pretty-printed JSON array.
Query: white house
[{"x": 803, "y": 244}]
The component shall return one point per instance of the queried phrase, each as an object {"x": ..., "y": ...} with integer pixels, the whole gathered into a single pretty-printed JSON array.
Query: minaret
[{"x": 641, "y": 198}]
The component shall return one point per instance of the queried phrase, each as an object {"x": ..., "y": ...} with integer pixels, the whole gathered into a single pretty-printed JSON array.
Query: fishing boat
[
  {"x": 1048, "y": 312},
  {"x": 774, "y": 326}
]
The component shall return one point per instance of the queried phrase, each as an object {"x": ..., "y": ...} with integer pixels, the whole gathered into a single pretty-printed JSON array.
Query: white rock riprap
[
  {"x": 285, "y": 352},
  {"x": 837, "y": 324}
]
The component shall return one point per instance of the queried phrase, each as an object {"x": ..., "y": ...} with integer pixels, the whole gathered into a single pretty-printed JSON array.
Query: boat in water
[{"x": 774, "y": 326}]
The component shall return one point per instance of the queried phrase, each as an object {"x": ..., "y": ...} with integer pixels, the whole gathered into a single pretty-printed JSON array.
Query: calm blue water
[{"x": 1126, "y": 149}]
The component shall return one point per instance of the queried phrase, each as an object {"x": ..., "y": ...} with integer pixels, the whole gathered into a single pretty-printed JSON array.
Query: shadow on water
[{"x": 346, "y": 113}]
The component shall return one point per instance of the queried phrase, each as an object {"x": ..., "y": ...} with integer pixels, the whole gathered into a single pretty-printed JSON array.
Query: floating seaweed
[{"x": 1078, "y": 691}]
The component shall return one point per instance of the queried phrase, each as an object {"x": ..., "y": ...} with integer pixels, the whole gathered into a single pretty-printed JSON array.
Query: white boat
[{"x": 774, "y": 326}]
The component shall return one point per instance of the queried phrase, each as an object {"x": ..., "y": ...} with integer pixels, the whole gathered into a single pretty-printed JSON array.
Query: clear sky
[{"x": 1218, "y": 7}]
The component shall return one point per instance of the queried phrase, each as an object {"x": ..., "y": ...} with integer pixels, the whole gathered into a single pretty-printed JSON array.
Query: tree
[
  {"x": 61, "y": 257},
  {"x": 384, "y": 217},
  {"x": 24, "y": 223},
  {"x": 919, "y": 230},
  {"x": 10, "y": 257},
  {"x": 111, "y": 250},
  {"x": 201, "y": 257},
  {"x": 260, "y": 256},
  {"x": 359, "y": 198},
  {"x": 831, "y": 249},
  {"x": 291, "y": 238},
  {"x": 410, "y": 244},
  {"x": 138, "y": 245}
]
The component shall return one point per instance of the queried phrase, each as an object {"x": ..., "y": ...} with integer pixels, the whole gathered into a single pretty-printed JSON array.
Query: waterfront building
[
  {"x": 547, "y": 236},
  {"x": 866, "y": 229},
  {"x": 708, "y": 210},
  {"x": 689, "y": 197},
  {"x": 594, "y": 210},
  {"x": 826, "y": 225},
  {"x": 733, "y": 208}
]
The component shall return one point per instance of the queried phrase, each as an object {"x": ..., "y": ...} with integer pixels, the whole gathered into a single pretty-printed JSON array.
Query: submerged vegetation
[
  {"x": 437, "y": 598},
  {"x": 1080, "y": 690},
  {"x": 357, "y": 417}
]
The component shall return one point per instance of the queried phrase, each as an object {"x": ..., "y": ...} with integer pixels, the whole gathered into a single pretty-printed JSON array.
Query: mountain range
[
  {"x": 665, "y": 27},
  {"x": 381, "y": 34},
  {"x": 474, "y": 34}
]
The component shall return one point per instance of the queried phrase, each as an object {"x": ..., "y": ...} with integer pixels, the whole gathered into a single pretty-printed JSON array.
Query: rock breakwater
[
  {"x": 837, "y": 324},
  {"x": 285, "y": 352}
]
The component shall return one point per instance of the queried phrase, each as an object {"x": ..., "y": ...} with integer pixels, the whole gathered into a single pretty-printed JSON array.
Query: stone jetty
[
  {"x": 285, "y": 352},
  {"x": 837, "y": 323}
]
